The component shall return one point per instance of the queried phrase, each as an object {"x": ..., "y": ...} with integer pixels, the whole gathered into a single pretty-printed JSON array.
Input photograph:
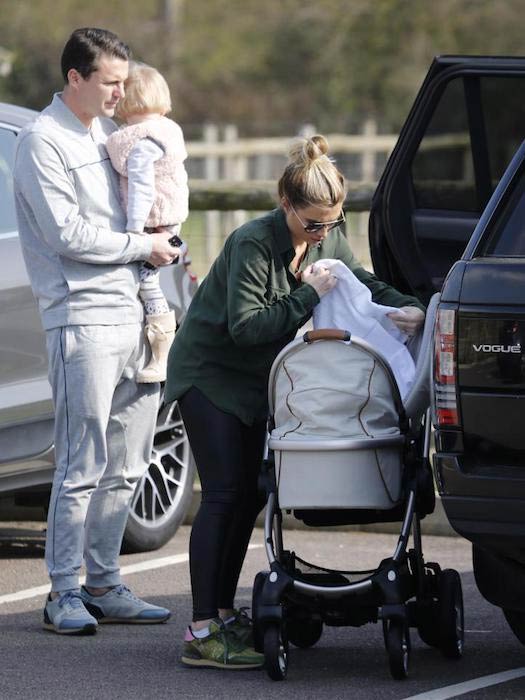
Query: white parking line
[
  {"x": 452, "y": 691},
  {"x": 147, "y": 565}
]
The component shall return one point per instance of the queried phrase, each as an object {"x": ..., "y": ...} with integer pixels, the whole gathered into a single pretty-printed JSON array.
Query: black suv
[{"x": 449, "y": 216}]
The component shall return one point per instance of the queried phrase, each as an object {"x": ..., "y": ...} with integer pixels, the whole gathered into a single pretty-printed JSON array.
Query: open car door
[
  {"x": 461, "y": 133},
  {"x": 452, "y": 157}
]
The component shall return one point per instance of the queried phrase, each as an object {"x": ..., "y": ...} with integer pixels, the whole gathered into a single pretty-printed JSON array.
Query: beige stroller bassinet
[
  {"x": 337, "y": 438},
  {"x": 345, "y": 449}
]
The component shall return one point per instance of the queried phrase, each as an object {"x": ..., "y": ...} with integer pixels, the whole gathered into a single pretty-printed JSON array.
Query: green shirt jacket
[{"x": 249, "y": 306}]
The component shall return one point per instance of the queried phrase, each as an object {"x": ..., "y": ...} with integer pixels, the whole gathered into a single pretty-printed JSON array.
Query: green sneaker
[
  {"x": 220, "y": 649},
  {"x": 241, "y": 626}
]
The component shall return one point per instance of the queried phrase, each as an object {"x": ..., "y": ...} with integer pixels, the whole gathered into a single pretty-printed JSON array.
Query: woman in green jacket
[{"x": 260, "y": 290}]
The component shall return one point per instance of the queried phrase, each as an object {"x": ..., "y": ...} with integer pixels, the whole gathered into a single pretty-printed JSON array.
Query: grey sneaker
[
  {"x": 67, "y": 615},
  {"x": 119, "y": 605}
]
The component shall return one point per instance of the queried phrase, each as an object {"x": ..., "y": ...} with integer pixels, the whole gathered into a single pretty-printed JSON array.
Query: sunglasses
[{"x": 316, "y": 226}]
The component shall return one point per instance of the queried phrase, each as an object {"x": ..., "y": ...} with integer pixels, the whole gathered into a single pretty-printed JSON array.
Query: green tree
[{"x": 266, "y": 66}]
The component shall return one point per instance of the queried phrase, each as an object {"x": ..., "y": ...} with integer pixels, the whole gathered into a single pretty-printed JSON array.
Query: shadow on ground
[{"x": 22, "y": 543}]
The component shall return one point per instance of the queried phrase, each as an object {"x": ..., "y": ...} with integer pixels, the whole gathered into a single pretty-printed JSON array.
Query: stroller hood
[{"x": 330, "y": 390}]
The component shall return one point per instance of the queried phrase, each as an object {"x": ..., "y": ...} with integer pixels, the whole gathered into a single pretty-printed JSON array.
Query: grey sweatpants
[{"x": 104, "y": 426}]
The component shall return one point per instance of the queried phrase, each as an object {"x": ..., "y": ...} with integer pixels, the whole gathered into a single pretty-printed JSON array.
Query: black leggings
[{"x": 228, "y": 454}]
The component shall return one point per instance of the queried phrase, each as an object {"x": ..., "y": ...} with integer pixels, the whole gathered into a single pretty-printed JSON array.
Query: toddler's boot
[{"x": 160, "y": 331}]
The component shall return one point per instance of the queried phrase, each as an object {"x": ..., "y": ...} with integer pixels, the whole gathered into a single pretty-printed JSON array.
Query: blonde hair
[
  {"x": 311, "y": 178},
  {"x": 145, "y": 92}
]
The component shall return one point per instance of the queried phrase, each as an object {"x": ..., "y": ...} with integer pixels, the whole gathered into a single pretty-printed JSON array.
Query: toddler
[{"x": 148, "y": 152}]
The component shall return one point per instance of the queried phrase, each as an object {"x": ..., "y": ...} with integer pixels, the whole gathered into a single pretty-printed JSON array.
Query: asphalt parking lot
[{"x": 142, "y": 661}]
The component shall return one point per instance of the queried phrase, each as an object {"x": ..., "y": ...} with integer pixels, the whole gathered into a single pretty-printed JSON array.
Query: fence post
[
  {"x": 368, "y": 171},
  {"x": 211, "y": 163},
  {"x": 236, "y": 169},
  {"x": 368, "y": 159},
  {"x": 307, "y": 131},
  {"x": 211, "y": 172}
]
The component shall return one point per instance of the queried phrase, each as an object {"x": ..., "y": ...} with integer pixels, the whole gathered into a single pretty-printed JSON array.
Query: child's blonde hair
[
  {"x": 145, "y": 92},
  {"x": 311, "y": 178}
]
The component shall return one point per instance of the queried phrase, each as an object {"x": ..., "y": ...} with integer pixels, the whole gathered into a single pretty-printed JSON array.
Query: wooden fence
[
  {"x": 230, "y": 177},
  {"x": 240, "y": 173},
  {"x": 221, "y": 154}
]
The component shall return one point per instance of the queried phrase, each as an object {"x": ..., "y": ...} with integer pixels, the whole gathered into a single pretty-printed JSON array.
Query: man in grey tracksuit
[{"x": 83, "y": 269}]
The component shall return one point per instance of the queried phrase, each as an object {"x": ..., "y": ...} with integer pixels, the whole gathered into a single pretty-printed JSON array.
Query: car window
[
  {"x": 505, "y": 128},
  {"x": 469, "y": 134},
  {"x": 442, "y": 170},
  {"x": 506, "y": 238},
  {"x": 7, "y": 203}
]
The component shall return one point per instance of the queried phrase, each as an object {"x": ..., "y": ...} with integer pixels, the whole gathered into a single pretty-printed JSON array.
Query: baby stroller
[{"x": 345, "y": 449}]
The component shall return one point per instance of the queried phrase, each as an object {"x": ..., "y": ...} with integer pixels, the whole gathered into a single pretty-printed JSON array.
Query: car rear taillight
[{"x": 445, "y": 369}]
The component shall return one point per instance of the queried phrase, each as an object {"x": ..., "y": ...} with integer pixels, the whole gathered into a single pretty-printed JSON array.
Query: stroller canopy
[{"x": 330, "y": 390}]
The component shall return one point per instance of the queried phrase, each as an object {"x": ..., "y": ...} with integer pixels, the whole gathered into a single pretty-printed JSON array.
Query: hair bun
[
  {"x": 311, "y": 177},
  {"x": 305, "y": 151},
  {"x": 316, "y": 146}
]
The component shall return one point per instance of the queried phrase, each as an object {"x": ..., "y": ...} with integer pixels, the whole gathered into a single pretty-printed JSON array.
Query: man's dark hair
[{"x": 85, "y": 46}]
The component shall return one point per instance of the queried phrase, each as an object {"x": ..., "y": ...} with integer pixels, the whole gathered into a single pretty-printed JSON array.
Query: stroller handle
[{"x": 327, "y": 334}]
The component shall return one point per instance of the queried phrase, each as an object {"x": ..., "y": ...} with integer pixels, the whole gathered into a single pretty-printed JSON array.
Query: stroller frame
[{"x": 404, "y": 591}]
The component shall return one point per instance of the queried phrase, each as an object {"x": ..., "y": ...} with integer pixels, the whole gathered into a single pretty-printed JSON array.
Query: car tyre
[
  {"x": 516, "y": 621},
  {"x": 163, "y": 495}
]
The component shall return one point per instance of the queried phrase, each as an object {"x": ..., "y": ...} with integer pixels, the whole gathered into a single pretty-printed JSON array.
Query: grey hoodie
[{"x": 80, "y": 260}]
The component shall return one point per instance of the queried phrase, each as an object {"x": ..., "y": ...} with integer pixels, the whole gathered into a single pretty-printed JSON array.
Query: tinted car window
[
  {"x": 443, "y": 168},
  {"x": 505, "y": 128},
  {"x": 7, "y": 204},
  {"x": 507, "y": 236},
  {"x": 442, "y": 171}
]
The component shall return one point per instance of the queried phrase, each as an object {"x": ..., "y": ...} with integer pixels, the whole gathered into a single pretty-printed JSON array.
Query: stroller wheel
[
  {"x": 397, "y": 640},
  {"x": 275, "y": 652},
  {"x": 428, "y": 623},
  {"x": 302, "y": 630},
  {"x": 451, "y": 617},
  {"x": 258, "y": 632},
  {"x": 425, "y": 609}
]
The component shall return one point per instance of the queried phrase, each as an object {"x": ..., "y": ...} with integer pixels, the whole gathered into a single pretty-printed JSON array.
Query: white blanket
[{"x": 349, "y": 306}]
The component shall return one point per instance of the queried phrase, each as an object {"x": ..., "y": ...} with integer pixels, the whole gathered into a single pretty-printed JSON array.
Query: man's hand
[
  {"x": 409, "y": 320},
  {"x": 162, "y": 252}
]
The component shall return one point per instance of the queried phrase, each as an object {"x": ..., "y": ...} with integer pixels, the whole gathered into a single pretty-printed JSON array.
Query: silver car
[{"x": 26, "y": 412}]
